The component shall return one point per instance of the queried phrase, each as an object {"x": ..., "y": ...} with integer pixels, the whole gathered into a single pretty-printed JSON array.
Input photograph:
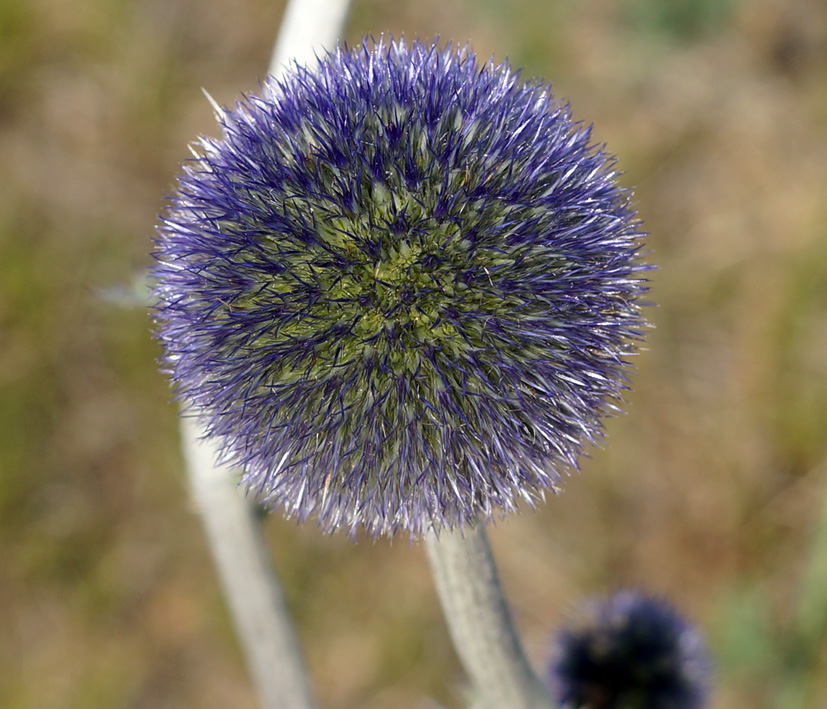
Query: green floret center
[
  {"x": 378, "y": 277},
  {"x": 387, "y": 278},
  {"x": 410, "y": 280},
  {"x": 391, "y": 278}
]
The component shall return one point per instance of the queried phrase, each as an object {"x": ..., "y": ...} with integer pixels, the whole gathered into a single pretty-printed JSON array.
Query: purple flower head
[
  {"x": 400, "y": 289},
  {"x": 629, "y": 652}
]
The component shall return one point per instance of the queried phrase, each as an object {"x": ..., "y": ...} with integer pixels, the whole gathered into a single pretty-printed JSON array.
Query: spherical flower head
[
  {"x": 400, "y": 289},
  {"x": 629, "y": 652}
]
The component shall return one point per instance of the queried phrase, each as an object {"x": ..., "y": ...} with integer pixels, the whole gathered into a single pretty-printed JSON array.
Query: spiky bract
[
  {"x": 629, "y": 652},
  {"x": 399, "y": 289}
]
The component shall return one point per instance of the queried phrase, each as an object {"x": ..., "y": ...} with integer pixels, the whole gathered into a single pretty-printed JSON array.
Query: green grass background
[{"x": 710, "y": 491}]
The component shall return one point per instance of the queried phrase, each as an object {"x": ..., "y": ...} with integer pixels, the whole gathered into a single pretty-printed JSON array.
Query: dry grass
[{"x": 708, "y": 491}]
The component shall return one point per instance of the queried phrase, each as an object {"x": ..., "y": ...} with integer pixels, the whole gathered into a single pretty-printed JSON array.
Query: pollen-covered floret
[{"x": 400, "y": 289}]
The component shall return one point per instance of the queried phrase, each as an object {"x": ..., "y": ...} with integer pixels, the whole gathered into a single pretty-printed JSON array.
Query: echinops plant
[
  {"x": 401, "y": 289},
  {"x": 398, "y": 294}
]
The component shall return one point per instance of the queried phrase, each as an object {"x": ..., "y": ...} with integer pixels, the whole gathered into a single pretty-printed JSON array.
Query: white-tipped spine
[{"x": 217, "y": 110}]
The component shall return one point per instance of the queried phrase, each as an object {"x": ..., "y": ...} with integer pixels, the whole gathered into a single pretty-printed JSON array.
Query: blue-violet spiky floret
[
  {"x": 400, "y": 289},
  {"x": 629, "y": 652}
]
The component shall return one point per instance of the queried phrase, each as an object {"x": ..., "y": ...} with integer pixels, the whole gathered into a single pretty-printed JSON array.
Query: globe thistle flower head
[
  {"x": 629, "y": 652},
  {"x": 400, "y": 289}
]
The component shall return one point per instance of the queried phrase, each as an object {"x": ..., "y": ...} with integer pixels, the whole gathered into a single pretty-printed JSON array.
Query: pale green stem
[
  {"x": 247, "y": 577},
  {"x": 480, "y": 625},
  {"x": 309, "y": 27}
]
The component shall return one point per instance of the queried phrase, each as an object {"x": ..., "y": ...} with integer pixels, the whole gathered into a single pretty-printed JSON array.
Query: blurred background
[{"x": 710, "y": 491}]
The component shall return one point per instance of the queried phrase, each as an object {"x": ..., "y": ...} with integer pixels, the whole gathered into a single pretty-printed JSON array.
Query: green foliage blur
[{"x": 710, "y": 491}]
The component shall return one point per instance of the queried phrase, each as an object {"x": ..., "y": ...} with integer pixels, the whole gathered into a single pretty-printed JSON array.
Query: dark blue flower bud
[
  {"x": 400, "y": 290},
  {"x": 629, "y": 652}
]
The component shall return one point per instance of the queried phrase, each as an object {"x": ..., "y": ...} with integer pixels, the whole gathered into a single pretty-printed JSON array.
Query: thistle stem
[
  {"x": 247, "y": 578},
  {"x": 479, "y": 622},
  {"x": 308, "y": 27}
]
